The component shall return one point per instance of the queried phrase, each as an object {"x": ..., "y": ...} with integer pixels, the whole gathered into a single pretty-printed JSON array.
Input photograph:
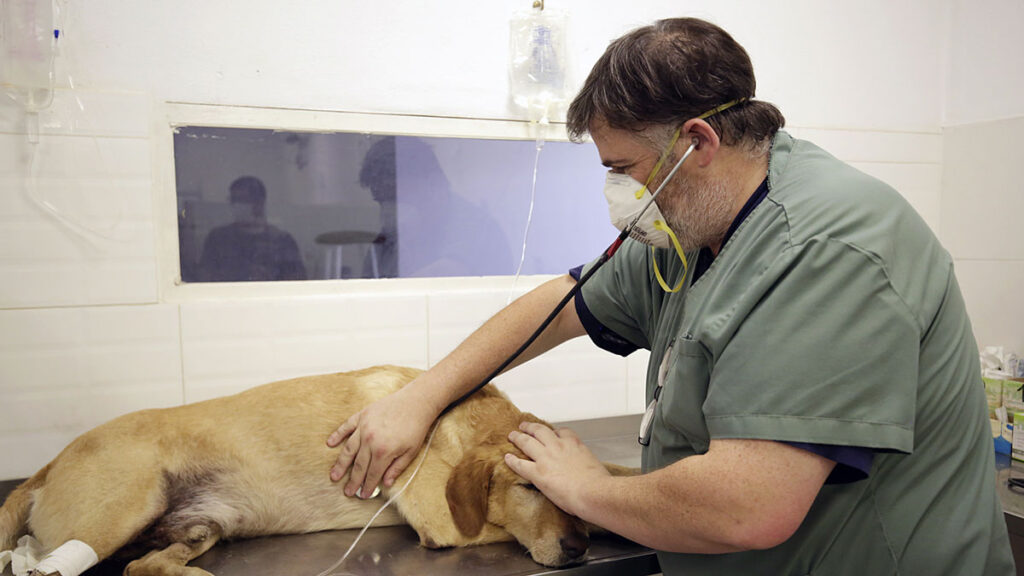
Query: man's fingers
[
  {"x": 345, "y": 456},
  {"x": 538, "y": 431},
  {"x": 358, "y": 473},
  {"x": 528, "y": 444},
  {"x": 397, "y": 467},
  {"x": 524, "y": 468},
  {"x": 378, "y": 464},
  {"x": 343, "y": 431}
]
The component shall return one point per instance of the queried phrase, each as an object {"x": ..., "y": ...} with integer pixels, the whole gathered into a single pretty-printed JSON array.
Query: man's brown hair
[{"x": 669, "y": 72}]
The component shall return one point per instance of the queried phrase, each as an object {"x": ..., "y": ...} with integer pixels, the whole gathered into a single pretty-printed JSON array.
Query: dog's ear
[{"x": 468, "y": 489}]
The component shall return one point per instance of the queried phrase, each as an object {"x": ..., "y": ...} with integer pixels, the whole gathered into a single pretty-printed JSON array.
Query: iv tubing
[
  {"x": 344, "y": 557},
  {"x": 529, "y": 215}
]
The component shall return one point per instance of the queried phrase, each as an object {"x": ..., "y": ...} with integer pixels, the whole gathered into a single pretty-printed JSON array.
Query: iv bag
[
  {"x": 537, "y": 63},
  {"x": 28, "y": 47}
]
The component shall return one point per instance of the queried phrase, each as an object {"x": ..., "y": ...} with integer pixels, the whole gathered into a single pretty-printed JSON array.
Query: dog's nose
[{"x": 574, "y": 545}]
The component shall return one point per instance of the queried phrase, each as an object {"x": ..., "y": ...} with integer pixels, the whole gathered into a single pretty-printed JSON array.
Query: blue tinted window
[{"x": 264, "y": 205}]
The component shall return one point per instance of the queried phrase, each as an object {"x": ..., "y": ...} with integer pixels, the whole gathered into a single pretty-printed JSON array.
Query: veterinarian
[{"x": 815, "y": 395}]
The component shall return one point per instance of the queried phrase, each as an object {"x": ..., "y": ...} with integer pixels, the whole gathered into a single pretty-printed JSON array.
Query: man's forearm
[
  {"x": 741, "y": 495},
  {"x": 486, "y": 348},
  {"x": 642, "y": 509}
]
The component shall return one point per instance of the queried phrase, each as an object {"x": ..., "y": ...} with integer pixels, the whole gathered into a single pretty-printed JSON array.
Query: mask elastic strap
[
  {"x": 661, "y": 160},
  {"x": 722, "y": 108},
  {"x": 675, "y": 137},
  {"x": 659, "y": 225}
]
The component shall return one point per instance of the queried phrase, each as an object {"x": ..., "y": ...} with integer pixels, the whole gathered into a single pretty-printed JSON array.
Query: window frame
[{"x": 174, "y": 115}]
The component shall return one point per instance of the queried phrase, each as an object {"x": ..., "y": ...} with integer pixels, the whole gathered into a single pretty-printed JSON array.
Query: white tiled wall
[
  {"x": 983, "y": 194},
  {"x": 983, "y": 187},
  {"x": 910, "y": 162},
  {"x": 575, "y": 380},
  {"x": 986, "y": 55},
  {"x": 65, "y": 370},
  {"x": 76, "y": 206},
  {"x": 873, "y": 62},
  {"x": 228, "y": 346},
  {"x": 992, "y": 290}
]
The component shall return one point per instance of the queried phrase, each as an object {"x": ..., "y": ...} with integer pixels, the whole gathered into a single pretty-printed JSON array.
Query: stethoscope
[{"x": 605, "y": 256}]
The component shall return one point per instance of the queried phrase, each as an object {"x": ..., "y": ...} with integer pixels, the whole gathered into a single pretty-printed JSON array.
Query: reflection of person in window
[
  {"x": 427, "y": 230},
  {"x": 378, "y": 174},
  {"x": 250, "y": 248},
  {"x": 442, "y": 232}
]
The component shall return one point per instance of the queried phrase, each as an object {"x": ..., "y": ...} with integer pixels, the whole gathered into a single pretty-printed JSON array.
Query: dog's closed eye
[{"x": 530, "y": 487}]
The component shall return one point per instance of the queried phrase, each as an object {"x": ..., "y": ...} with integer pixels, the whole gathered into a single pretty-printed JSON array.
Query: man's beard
[{"x": 699, "y": 214}]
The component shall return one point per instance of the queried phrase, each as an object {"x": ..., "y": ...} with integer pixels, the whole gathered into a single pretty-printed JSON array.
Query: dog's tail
[{"x": 15, "y": 511}]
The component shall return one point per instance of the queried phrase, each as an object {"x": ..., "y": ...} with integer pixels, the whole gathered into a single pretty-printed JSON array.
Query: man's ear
[
  {"x": 467, "y": 491},
  {"x": 699, "y": 132}
]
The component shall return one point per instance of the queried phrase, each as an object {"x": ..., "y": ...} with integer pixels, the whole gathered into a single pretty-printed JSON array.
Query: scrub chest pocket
[{"x": 679, "y": 426}]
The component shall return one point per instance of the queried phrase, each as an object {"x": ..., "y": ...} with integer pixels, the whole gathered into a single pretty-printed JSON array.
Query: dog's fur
[{"x": 172, "y": 482}]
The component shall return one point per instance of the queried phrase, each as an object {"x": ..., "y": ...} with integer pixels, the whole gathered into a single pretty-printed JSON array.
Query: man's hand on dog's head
[{"x": 559, "y": 464}]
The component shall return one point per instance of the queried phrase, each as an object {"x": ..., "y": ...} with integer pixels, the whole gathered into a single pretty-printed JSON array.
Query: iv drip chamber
[{"x": 28, "y": 43}]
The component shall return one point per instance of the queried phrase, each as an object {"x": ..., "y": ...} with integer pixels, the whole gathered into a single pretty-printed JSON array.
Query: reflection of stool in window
[{"x": 335, "y": 243}]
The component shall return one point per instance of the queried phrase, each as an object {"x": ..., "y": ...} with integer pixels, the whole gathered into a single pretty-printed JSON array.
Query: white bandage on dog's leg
[
  {"x": 69, "y": 559},
  {"x": 24, "y": 557}
]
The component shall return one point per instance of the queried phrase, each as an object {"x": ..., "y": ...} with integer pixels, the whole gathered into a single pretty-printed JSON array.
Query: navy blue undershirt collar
[{"x": 706, "y": 257}]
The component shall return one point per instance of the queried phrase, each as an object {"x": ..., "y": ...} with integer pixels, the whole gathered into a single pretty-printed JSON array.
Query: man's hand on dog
[
  {"x": 379, "y": 442},
  {"x": 559, "y": 464}
]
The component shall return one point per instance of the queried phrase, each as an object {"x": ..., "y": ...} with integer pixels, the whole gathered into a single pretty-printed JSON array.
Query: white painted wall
[
  {"x": 982, "y": 189},
  {"x": 986, "y": 62},
  {"x": 866, "y": 64},
  {"x": 90, "y": 329}
]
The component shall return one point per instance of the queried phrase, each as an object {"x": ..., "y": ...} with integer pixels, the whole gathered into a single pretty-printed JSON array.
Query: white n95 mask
[
  {"x": 630, "y": 203},
  {"x": 626, "y": 200}
]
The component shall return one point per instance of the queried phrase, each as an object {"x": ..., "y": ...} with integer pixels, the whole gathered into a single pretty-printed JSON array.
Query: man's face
[
  {"x": 625, "y": 152},
  {"x": 245, "y": 212},
  {"x": 696, "y": 207}
]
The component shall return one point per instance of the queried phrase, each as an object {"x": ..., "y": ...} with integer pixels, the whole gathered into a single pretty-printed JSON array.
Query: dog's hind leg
[
  {"x": 15, "y": 511},
  {"x": 103, "y": 503},
  {"x": 171, "y": 561}
]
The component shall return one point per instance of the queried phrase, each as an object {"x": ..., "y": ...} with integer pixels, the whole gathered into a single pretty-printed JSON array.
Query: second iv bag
[{"x": 537, "y": 63}]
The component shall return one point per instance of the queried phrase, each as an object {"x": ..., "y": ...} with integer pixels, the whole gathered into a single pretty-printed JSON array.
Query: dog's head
[{"x": 484, "y": 490}]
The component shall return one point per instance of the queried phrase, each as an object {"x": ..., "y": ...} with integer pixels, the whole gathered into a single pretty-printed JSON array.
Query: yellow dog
[{"x": 170, "y": 483}]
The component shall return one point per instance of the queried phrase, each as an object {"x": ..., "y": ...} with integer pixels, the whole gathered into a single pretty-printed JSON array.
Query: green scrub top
[{"x": 830, "y": 316}]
